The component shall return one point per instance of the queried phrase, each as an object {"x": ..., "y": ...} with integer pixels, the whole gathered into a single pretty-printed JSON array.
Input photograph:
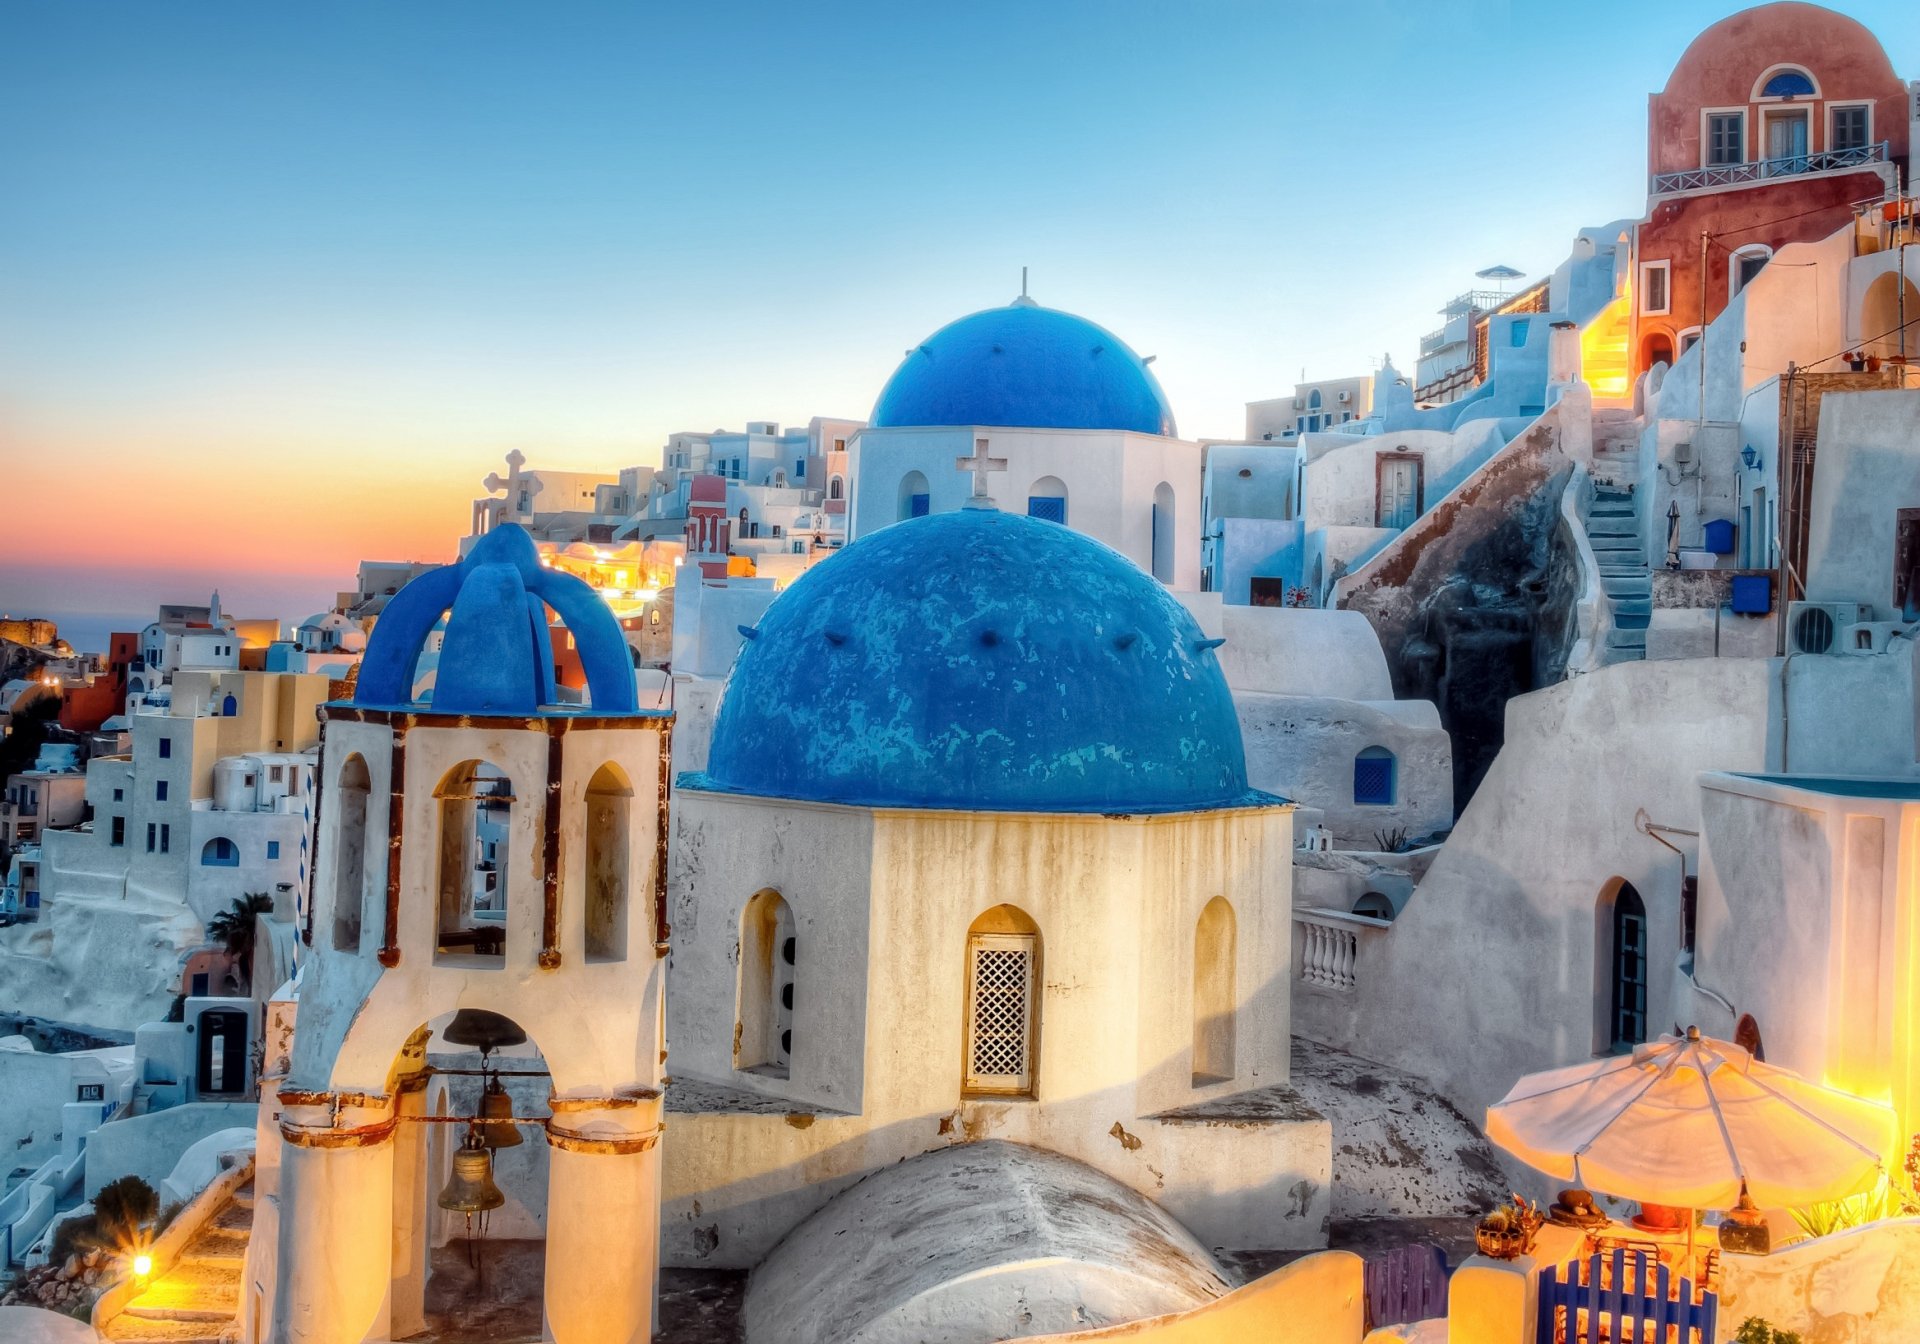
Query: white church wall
[
  {"x": 726, "y": 850},
  {"x": 1116, "y": 902},
  {"x": 1112, "y": 506},
  {"x": 355, "y": 1015}
]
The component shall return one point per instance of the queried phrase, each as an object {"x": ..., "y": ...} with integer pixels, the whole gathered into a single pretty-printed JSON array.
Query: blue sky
[{"x": 289, "y": 279}]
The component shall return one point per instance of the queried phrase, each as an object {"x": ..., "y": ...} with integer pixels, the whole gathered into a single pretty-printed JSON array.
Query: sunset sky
[{"x": 279, "y": 284}]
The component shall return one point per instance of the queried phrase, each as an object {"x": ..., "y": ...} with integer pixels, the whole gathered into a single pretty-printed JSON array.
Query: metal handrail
[{"x": 1760, "y": 170}]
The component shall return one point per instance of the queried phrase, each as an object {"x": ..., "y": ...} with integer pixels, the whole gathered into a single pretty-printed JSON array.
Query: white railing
[
  {"x": 1792, "y": 165},
  {"x": 1329, "y": 946}
]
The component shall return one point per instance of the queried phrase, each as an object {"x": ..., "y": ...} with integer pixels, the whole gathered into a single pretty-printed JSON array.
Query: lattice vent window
[{"x": 1000, "y": 975}]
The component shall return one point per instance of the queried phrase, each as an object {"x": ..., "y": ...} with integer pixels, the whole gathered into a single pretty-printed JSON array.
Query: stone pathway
[{"x": 197, "y": 1300}]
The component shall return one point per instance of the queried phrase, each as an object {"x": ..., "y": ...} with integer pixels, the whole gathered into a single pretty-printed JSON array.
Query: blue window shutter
[
  {"x": 1047, "y": 507},
  {"x": 922, "y": 506},
  {"x": 1373, "y": 771}
]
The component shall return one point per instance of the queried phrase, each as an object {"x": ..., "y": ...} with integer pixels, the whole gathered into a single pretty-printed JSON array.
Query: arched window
[
  {"x": 1746, "y": 1035},
  {"x": 769, "y": 961},
  {"x": 229, "y": 707},
  {"x": 1313, "y": 400},
  {"x": 1002, "y": 1008},
  {"x": 1374, "y": 782},
  {"x": 1048, "y": 499},
  {"x": 1163, "y": 535},
  {"x": 1213, "y": 994},
  {"x": 836, "y": 488},
  {"x": 1787, "y": 82},
  {"x": 476, "y": 815},
  {"x": 349, "y": 855},
  {"x": 609, "y": 807},
  {"x": 915, "y": 498},
  {"x": 1620, "y": 967},
  {"x": 220, "y": 852}
]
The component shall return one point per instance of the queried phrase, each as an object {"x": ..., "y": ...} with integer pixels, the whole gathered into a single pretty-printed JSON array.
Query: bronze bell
[
  {"x": 495, "y": 1104},
  {"x": 470, "y": 1189},
  {"x": 484, "y": 1031}
]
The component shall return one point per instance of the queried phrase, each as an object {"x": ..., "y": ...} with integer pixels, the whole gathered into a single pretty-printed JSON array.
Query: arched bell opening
[{"x": 471, "y": 1179}]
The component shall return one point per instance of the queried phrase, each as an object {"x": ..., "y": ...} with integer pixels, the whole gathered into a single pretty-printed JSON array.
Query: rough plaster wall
[
  {"x": 104, "y": 963},
  {"x": 1859, "y": 1287},
  {"x": 1488, "y": 973},
  {"x": 1303, "y": 748}
]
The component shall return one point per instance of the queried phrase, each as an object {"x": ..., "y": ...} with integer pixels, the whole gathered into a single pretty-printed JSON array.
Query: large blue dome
[
  {"x": 981, "y": 661},
  {"x": 1025, "y": 366}
]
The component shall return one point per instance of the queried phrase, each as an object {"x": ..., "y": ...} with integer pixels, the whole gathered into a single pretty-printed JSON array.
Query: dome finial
[
  {"x": 980, "y": 464},
  {"x": 1023, "y": 301}
]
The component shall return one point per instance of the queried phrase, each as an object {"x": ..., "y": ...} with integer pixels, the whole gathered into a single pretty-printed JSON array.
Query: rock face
[{"x": 108, "y": 963}]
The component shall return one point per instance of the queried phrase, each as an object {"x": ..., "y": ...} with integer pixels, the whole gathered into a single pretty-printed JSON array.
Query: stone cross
[{"x": 980, "y": 464}]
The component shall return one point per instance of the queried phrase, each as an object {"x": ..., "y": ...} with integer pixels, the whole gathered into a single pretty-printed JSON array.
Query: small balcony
[{"x": 1766, "y": 170}]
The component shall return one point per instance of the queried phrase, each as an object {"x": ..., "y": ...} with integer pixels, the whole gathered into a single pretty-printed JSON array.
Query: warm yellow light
[
  {"x": 620, "y": 578},
  {"x": 142, "y": 1266}
]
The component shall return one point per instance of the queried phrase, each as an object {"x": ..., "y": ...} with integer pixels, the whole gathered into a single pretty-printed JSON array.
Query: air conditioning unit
[
  {"x": 1814, "y": 627},
  {"x": 1299, "y": 405},
  {"x": 1346, "y": 396}
]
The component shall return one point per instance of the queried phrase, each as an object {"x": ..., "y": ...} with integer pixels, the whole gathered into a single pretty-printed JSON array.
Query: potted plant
[{"x": 1509, "y": 1231}]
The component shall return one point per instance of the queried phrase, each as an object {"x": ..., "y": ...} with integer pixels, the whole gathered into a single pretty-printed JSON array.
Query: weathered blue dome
[
  {"x": 1028, "y": 367},
  {"x": 496, "y": 656},
  {"x": 982, "y": 661}
]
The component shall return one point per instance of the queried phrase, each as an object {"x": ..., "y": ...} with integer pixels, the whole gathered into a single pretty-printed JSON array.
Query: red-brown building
[
  {"x": 709, "y": 530},
  {"x": 1774, "y": 126},
  {"x": 84, "y": 708}
]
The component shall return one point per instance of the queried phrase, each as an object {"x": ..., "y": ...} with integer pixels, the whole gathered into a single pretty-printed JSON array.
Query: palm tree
[{"x": 233, "y": 930}]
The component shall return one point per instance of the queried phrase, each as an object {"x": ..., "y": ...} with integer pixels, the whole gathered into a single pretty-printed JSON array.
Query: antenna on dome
[{"x": 1024, "y": 301}]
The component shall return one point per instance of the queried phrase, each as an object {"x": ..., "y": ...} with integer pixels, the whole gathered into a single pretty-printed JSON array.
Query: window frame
[
  {"x": 1000, "y": 1084},
  {"x": 1734, "y": 283},
  {"x": 1707, "y": 116},
  {"x": 1833, "y": 126},
  {"x": 1665, "y": 268}
]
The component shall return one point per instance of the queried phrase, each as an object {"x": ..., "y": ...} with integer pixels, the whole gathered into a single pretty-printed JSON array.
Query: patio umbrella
[
  {"x": 1687, "y": 1121},
  {"x": 1673, "y": 536}
]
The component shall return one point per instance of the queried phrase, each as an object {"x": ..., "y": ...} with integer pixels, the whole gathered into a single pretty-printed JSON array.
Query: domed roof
[
  {"x": 496, "y": 656},
  {"x": 981, "y": 661},
  {"x": 1027, "y": 367}
]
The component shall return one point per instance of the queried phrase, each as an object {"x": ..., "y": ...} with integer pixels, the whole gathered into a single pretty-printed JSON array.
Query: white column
[
  {"x": 336, "y": 1183},
  {"x": 603, "y": 1219},
  {"x": 411, "y": 1203}
]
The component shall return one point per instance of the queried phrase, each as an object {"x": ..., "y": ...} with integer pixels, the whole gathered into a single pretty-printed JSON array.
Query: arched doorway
[
  {"x": 1889, "y": 302},
  {"x": 916, "y": 499},
  {"x": 1657, "y": 348},
  {"x": 491, "y": 1286}
]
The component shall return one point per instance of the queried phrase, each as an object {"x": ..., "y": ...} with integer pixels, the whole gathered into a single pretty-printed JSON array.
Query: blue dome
[
  {"x": 496, "y": 656},
  {"x": 981, "y": 661},
  {"x": 1027, "y": 367}
]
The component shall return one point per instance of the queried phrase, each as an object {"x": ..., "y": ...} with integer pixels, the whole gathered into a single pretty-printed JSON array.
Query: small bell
[
  {"x": 496, "y": 1105},
  {"x": 470, "y": 1189}
]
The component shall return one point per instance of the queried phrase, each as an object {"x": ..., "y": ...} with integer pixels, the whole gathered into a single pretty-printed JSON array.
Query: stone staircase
[
  {"x": 197, "y": 1299},
  {"x": 1613, "y": 529},
  {"x": 1616, "y": 447}
]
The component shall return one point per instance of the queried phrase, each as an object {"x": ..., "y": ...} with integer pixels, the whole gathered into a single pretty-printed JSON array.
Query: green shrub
[
  {"x": 122, "y": 1208},
  {"x": 1753, "y": 1330}
]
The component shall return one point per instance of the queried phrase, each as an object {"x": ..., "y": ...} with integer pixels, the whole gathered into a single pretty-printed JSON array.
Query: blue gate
[{"x": 1614, "y": 1297}]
